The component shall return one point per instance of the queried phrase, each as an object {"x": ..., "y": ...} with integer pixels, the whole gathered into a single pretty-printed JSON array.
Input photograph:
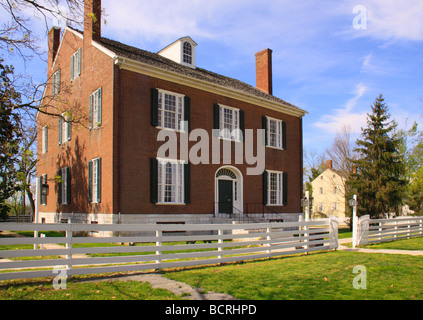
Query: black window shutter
[
  {"x": 154, "y": 180},
  {"x": 242, "y": 124},
  {"x": 285, "y": 189},
  {"x": 154, "y": 107},
  {"x": 90, "y": 181},
  {"x": 187, "y": 112},
  {"x": 264, "y": 122},
  {"x": 216, "y": 118},
  {"x": 59, "y": 187},
  {"x": 265, "y": 197},
  {"x": 68, "y": 186},
  {"x": 187, "y": 182},
  {"x": 284, "y": 135}
]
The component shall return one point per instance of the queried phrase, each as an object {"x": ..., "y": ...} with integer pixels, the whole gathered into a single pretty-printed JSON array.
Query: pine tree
[{"x": 380, "y": 181}]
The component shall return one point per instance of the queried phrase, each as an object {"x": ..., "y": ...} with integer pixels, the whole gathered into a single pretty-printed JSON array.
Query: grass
[
  {"x": 405, "y": 244},
  {"x": 76, "y": 290},
  {"x": 322, "y": 276}
]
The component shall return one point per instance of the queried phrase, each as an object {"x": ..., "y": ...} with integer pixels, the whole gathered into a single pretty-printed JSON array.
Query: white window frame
[
  {"x": 232, "y": 131},
  {"x": 278, "y": 191},
  {"x": 177, "y": 183},
  {"x": 95, "y": 180},
  {"x": 277, "y": 143},
  {"x": 44, "y": 143},
  {"x": 65, "y": 186},
  {"x": 65, "y": 126},
  {"x": 56, "y": 83},
  {"x": 187, "y": 55},
  {"x": 43, "y": 180},
  {"x": 179, "y": 112},
  {"x": 76, "y": 58},
  {"x": 96, "y": 105}
]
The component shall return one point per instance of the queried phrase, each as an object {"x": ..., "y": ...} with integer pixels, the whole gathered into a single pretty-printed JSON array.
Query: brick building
[{"x": 123, "y": 97}]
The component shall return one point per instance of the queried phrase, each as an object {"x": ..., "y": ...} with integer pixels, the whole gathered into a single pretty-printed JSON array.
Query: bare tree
[{"x": 16, "y": 34}]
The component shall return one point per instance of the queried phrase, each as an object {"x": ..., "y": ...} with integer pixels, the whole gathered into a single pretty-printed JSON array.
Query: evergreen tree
[
  {"x": 380, "y": 181},
  {"x": 10, "y": 135}
]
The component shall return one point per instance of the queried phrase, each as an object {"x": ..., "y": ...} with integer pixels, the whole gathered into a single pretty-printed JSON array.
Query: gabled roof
[{"x": 156, "y": 60}]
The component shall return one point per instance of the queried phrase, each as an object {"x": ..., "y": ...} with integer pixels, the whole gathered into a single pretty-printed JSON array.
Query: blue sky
[{"x": 321, "y": 63}]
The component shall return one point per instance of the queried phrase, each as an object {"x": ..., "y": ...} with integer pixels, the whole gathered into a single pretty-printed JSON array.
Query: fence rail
[
  {"x": 155, "y": 247},
  {"x": 383, "y": 230}
]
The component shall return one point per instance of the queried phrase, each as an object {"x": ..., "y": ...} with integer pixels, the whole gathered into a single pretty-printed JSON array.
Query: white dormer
[{"x": 181, "y": 51}]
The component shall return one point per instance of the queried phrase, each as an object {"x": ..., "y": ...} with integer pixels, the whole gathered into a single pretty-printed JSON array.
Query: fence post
[
  {"x": 353, "y": 203},
  {"x": 37, "y": 201},
  {"x": 159, "y": 234},
  {"x": 69, "y": 246},
  {"x": 380, "y": 230},
  {"x": 333, "y": 233},
  {"x": 408, "y": 229},
  {"x": 421, "y": 227},
  {"x": 269, "y": 244},
  {"x": 396, "y": 230},
  {"x": 220, "y": 241}
]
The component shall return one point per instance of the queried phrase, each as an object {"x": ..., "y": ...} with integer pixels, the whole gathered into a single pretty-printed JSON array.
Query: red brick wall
[
  {"x": 85, "y": 145},
  {"x": 138, "y": 143}
]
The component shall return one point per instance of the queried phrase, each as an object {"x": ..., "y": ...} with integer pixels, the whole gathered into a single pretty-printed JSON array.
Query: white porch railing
[{"x": 156, "y": 246}]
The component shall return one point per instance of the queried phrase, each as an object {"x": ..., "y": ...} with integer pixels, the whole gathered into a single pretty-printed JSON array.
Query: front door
[{"x": 226, "y": 196}]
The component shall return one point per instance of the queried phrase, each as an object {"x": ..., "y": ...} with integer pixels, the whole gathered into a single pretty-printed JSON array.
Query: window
[
  {"x": 76, "y": 65},
  {"x": 170, "y": 181},
  {"x": 170, "y": 110},
  {"x": 45, "y": 140},
  {"x": 187, "y": 53},
  {"x": 335, "y": 206},
  {"x": 275, "y": 188},
  {"x": 64, "y": 189},
  {"x": 335, "y": 190},
  {"x": 56, "y": 83},
  {"x": 95, "y": 112},
  {"x": 229, "y": 123},
  {"x": 275, "y": 133},
  {"x": 321, "y": 190},
  {"x": 43, "y": 190},
  {"x": 65, "y": 128},
  {"x": 94, "y": 181},
  {"x": 321, "y": 207}
]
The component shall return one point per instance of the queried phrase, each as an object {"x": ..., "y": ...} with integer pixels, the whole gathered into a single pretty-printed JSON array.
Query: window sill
[
  {"x": 170, "y": 129},
  {"x": 276, "y": 148},
  {"x": 231, "y": 140},
  {"x": 170, "y": 204}
]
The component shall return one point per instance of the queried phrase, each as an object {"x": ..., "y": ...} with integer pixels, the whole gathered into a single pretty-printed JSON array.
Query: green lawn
[
  {"x": 405, "y": 244},
  {"x": 106, "y": 290},
  {"x": 322, "y": 276}
]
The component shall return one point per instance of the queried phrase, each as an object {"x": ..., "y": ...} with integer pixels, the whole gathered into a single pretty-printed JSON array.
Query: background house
[
  {"x": 329, "y": 193},
  {"x": 104, "y": 168}
]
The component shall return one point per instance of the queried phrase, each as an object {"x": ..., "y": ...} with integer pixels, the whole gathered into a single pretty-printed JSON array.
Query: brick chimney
[
  {"x": 329, "y": 164},
  {"x": 53, "y": 45},
  {"x": 92, "y": 20},
  {"x": 264, "y": 71}
]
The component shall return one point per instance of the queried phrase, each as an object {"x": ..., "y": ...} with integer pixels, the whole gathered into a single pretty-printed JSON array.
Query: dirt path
[{"x": 158, "y": 281}]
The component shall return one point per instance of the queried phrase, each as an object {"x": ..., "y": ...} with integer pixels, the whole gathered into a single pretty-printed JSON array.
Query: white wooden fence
[
  {"x": 158, "y": 246},
  {"x": 383, "y": 230}
]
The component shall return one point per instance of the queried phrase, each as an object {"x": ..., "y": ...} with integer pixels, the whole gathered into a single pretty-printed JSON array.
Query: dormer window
[
  {"x": 187, "y": 53},
  {"x": 181, "y": 51}
]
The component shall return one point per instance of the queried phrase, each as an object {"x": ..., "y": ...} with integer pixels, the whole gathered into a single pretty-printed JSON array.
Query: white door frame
[{"x": 238, "y": 190}]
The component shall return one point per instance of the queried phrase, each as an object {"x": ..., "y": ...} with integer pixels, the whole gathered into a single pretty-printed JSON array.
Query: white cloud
[
  {"x": 347, "y": 116},
  {"x": 387, "y": 20}
]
